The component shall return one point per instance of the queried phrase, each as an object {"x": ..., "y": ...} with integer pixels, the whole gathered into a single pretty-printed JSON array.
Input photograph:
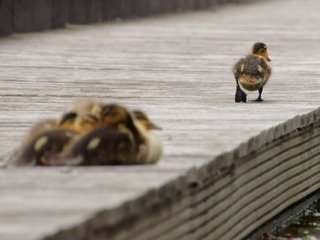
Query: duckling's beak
[
  {"x": 152, "y": 126},
  {"x": 267, "y": 56}
]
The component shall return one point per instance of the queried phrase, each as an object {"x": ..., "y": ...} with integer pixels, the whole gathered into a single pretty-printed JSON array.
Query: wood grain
[
  {"x": 177, "y": 68},
  {"x": 5, "y": 17}
]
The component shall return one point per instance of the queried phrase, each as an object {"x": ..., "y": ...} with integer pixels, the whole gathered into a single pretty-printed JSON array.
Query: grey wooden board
[{"x": 178, "y": 69}]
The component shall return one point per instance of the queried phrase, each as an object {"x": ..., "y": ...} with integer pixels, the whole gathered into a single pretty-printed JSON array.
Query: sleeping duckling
[
  {"x": 252, "y": 72},
  {"x": 122, "y": 140},
  {"x": 44, "y": 147},
  {"x": 144, "y": 120},
  {"x": 101, "y": 146},
  {"x": 45, "y": 137},
  {"x": 84, "y": 106},
  {"x": 151, "y": 150},
  {"x": 85, "y": 123},
  {"x": 65, "y": 121}
]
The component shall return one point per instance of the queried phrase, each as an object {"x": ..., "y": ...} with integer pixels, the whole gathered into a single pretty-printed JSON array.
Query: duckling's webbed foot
[
  {"x": 240, "y": 96},
  {"x": 259, "y": 99}
]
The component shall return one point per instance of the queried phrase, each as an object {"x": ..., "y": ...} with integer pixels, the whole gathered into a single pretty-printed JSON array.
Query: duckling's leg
[
  {"x": 259, "y": 99},
  {"x": 240, "y": 95}
]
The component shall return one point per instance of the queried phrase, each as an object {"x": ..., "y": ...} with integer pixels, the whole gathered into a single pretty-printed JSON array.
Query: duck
[
  {"x": 42, "y": 148},
  {"x": 45, "y": 139},
  {"x": 86, "y": 106},
  {"x": 151, "y": 150},
  {"x": 85, "y": 123},
  {"x": 252, "y": 72},
  {"x": 138, "y": 125},
  {"x": 123, "y": 138},
  {"x": 144, "y": 120}
]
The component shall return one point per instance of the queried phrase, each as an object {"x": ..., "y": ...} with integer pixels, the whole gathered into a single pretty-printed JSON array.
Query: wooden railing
[{"x": 38, "y": 15}]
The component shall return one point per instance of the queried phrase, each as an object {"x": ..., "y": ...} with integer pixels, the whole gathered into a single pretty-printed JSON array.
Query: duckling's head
[
  {"x": 260, "y": 49},
  {"x": 86, "y": 122},
  {"x": 145, "y": 121},
  {"x": 67, "y": 120},
  {"x": 85, "y": 106},
  {"x": 115, "y": 115}
]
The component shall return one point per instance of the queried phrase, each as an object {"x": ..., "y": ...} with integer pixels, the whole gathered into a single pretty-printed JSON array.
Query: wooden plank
[
  {"x": 110, "y": 9},
  {"x": 93, "y": 11},
  {"x": 5, "y": 17},
  {"x": 201, "y": 4},
  {"x": 154, "y": 7},
  {"x": 60, "y": 13},
  {"x": 140, "y": 8},
  {"x": 22, "y": 15},
  {"x": 160, "y": 7},
  {"x": 126, "y": 9},
  {"x": 77, "y": 11},
  {"x": 177, "y": 68},
  {"x": 41, "y": 15},
  {"x": 190, "y": 4}
]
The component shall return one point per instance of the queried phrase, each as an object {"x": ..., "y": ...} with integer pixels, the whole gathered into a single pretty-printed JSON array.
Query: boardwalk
[{"x": 175, "y": 67}]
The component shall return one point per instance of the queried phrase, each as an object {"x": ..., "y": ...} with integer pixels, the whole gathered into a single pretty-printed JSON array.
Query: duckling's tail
[{"x": 240, "y": 96}]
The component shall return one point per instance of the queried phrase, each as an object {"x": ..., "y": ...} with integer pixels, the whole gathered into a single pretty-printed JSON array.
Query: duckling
[
  {"x": 40, "y": 127},
  {"x": 121, "y": 140},
  {"x": 143, "y": 118},
  {"x": 85, "y": 123},
  {"x": 43, "y": 147},
  {"x": 65, "y": 121},
  {"x": 41, "y": 135},
  {"x": 151, "y": 150},
  {"x": 84, "y": 106},
  {"x": 101, "y": 146},
  {"x": 252, "y": 72}
]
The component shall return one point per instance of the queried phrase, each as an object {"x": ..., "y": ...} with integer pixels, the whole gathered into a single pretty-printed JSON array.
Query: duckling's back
[
  {"x": 101, "y": 146},
  {"x": 253, "y": 72}
]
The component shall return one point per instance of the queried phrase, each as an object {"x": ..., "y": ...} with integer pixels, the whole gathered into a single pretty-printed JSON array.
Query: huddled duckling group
[
  {"x": 252, "y": 72},
  {"x": 90, "y": 133}
]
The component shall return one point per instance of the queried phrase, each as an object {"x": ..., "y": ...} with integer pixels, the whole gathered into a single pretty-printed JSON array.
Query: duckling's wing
[
  {"x": 102, "y": 146},
  {"x": 43, "y": 147},
  {"x": 238, "y": 68},
  {"x": 38, "y": 128},
  {"x": 255, "y": 66}
]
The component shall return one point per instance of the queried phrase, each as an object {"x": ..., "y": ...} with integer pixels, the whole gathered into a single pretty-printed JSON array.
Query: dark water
[{"x": 305, "y": 227}]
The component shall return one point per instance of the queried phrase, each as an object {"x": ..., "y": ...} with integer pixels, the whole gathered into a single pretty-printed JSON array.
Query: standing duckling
[
  {"x": 252, "y": 72},
  {"x": 122, "y": 139}
]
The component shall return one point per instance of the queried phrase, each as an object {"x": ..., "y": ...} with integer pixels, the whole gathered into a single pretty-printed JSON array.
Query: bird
[
  {"x": 121, "y": 139},
  {"x": 102, "y": 146},
  {"x": 43, "y": 147},
  {"x": 151, "y": 150},
  {"x": 143, "y": 118},
  {"x": 252, "y": 72},
  {"x": 85, "y": 106},
  {"x": 85, "y": 123},
  {"x": 138, "y": 125},
  {"x": 45, "y": 139}
]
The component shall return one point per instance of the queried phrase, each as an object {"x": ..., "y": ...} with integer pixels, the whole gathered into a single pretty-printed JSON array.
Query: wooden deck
[{"x": 178, "y": 69}]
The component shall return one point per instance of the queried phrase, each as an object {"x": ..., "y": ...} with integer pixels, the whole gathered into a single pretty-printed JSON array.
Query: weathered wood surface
[
  {"x": 40, "y": 15},
  {"x": 5, "y": 17},
  {"x": 178, "y": 69}
]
